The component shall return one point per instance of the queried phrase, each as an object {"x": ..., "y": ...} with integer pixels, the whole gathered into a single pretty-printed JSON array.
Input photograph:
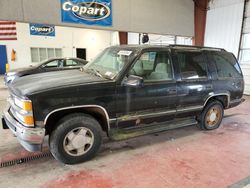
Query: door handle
[
  {"x": 209, "y": 87},
  {"x": 171, "y": 91}
]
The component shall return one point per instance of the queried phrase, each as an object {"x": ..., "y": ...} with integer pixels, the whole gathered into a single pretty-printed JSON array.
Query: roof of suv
[{"x": 187, "y": 47}]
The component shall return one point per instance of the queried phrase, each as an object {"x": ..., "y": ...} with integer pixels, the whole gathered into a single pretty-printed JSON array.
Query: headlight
[
  {"x": 11, "y": 73},
  {"x": 24, "y": 113},
  {"x": 10, "y": 79},
  {"x": 23, "y": 104}
]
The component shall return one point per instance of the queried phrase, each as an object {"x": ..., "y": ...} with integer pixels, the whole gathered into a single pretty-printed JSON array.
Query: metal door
[{"x": 3, "y": 59}]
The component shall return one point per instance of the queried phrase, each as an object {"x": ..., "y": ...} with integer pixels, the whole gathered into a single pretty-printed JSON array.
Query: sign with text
[
  {"x": 90, "y": 12},
  {"x": 42, "y": 30}
]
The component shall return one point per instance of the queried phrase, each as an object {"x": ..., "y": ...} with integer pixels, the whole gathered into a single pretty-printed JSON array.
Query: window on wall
[
  {"x": 41, "y": 54},
  {"x": 245, "y": 49}
]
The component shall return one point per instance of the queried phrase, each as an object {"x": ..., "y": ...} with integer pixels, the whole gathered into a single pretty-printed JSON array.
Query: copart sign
[
  {"x": 42, "y": 30},
  {"x": 90, "y": 12}
]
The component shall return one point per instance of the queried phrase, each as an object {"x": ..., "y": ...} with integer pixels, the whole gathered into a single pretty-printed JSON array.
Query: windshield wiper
[{"x": 96, "y": 72}]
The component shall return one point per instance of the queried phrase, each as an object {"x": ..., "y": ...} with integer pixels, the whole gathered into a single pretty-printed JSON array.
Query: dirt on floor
[{"x": 185, "y": 157}]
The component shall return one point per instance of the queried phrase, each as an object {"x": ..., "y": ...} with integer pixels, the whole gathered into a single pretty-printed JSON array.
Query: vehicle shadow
[{"x": 108, "y": 147}]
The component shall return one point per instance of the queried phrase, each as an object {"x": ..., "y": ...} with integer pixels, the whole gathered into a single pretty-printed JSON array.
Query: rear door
[
  {"x": 54, "y": 65},
  {"x": 194, "y": 82},
  {"x": 71, "y": 64}
]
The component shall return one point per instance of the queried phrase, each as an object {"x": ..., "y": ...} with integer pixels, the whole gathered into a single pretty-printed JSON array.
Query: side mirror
[{"x": 133, "y": 81}]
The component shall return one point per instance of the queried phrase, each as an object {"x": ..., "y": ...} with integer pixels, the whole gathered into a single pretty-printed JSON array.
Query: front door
[
  {"x": 155, "y": 101},
  {"x": 3, "y": 59}
]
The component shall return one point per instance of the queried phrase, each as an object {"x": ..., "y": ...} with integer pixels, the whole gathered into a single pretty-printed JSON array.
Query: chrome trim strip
[
  {"x": 113, "y": 119},
  {"x": 133, "y": 117},
  {"x": 218, "y": 94},
  {"x": 192, "y": 108},
  {"x": 81, "y": 106}
]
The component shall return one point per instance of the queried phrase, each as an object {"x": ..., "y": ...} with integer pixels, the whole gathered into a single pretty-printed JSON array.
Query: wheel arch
[
  {"x": 224, "y": 98},
  {"x": 98, "y": 112}
]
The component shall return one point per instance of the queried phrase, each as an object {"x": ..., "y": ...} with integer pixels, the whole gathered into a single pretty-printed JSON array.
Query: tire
[
  {"x": 66, "y": 140},
  {"x": 211, "y": 115}
]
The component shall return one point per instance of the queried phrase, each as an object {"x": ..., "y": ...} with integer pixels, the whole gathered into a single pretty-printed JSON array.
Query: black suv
[{"x": 126, "y": 91}]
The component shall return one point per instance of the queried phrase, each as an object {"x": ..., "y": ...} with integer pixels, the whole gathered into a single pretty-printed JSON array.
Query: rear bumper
[
  {"x": 30, "y": 138},
  {"x": 236, "y": 102}
]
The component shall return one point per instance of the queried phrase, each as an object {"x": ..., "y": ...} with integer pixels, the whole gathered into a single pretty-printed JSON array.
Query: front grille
[{"x": 12, "y": 114}]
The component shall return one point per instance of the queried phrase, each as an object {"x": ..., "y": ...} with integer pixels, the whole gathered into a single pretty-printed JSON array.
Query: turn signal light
[{"x": 28, "y": 120}]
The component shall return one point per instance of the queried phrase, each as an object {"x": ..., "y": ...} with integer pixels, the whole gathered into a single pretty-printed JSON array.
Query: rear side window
[
  {"x": 192, "y": 65},
  {"x": 226, "y": 64},
  {"x": 70, "y": 62}
]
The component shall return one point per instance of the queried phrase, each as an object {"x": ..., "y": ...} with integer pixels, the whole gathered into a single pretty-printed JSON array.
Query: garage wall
[
  {"x": 67, "y": 38},
  {"x": 244, "y": 57},
  {"x": 133, "y": 38},
  {"x": 223, "y": 25},
  {"x": 158, "y": 16}
]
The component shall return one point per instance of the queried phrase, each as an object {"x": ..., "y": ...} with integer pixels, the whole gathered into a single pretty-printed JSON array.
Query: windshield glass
[{"x": 110, "y": 62}]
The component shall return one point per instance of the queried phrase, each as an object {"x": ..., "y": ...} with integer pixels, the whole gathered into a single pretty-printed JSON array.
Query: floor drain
[{"x": 24, "y": 159}]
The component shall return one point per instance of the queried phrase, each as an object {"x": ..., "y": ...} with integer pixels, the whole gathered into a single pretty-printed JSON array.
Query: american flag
[{"x": 8, "y": 30}]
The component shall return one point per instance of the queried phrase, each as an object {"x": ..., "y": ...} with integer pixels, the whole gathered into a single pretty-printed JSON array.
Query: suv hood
[{"x": 51, "y": 80}]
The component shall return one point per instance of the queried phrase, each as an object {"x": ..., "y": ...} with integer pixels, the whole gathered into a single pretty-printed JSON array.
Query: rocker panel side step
[{"x": 121, "y": 134}]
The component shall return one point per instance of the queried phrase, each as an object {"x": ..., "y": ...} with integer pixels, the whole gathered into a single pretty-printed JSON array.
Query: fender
[
  {"x": 218, "y": 94},
  {"x": 82, "y": 106}
]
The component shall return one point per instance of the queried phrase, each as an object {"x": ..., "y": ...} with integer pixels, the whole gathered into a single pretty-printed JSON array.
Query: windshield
[{"x": 110, "y": 62}]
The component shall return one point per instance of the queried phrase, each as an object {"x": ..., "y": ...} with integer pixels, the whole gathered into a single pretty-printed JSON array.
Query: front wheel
[
  {"x": 212, "y": 115},
  {"x": 76, "y": 139}
]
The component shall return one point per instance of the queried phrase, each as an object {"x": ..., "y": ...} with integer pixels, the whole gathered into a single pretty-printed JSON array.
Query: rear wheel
[
  {"x": 212, "y": 115},
  {"x": 76, "y": 139}
]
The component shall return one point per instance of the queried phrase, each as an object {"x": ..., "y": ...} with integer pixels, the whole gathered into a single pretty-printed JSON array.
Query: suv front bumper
[{"x": 30, "y": 138}]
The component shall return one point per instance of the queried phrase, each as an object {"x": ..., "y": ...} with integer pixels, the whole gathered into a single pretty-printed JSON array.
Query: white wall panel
[
  {"x": 223, "y": 26},
  {"x": 67, "y": 38},
  {"x": 133, "y": 38},
  {"x": 158, "y": 16}
]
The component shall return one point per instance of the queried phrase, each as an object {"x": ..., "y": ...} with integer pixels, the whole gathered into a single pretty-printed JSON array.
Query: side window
[
  {"x": 70, "y": 62},
  {"x": 192, "y": 65},
  {"x": 226, "y": 64},
  {"x": 52, "y": 64},
  {"x": 153, "y": 66}
]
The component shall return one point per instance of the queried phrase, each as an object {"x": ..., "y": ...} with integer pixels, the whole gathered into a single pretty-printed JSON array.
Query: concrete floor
[{"x": 185, "y": 157}]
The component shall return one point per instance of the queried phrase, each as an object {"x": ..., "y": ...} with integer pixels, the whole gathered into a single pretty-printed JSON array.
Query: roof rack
[{"x": 195, "y": 47}]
